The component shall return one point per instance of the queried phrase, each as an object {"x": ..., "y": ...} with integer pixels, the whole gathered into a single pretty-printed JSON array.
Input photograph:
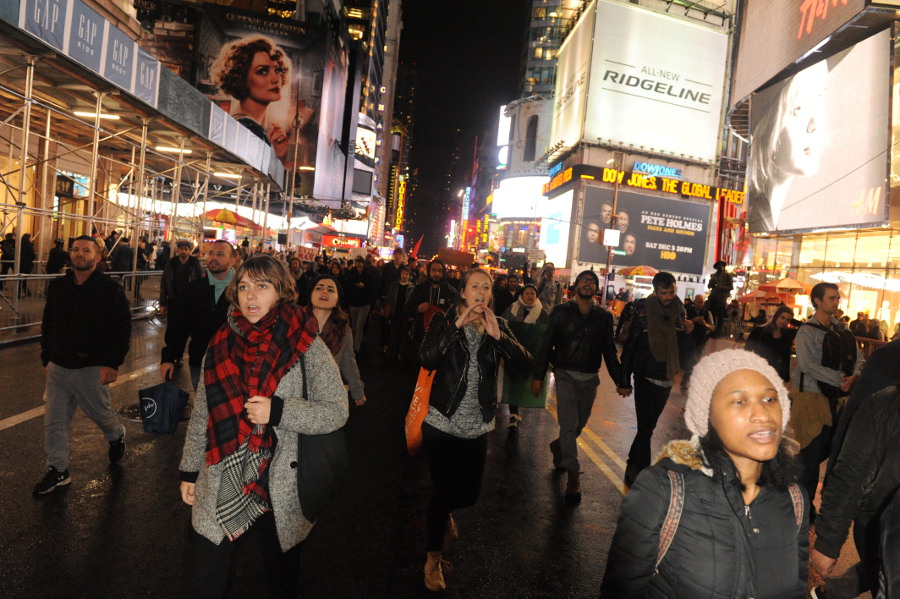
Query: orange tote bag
[{"x": 418, "y": 409}]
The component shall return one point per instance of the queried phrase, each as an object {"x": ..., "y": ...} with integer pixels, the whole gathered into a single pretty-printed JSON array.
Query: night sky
[{"x": 467, "y": 55}]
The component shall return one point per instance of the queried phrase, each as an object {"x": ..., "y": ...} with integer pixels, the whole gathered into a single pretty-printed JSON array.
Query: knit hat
[
  {"x": 710, "y": 371},
  {"x": 588, "y": 273}
]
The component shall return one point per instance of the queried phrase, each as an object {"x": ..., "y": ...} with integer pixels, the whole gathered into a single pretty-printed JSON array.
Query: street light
[{"x": 619, "y": 160}]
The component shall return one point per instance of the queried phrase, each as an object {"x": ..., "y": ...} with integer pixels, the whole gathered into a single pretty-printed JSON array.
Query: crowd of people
[{"x": 273, "y": 344}]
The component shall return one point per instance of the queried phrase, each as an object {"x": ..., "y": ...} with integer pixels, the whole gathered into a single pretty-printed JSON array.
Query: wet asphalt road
[{"x": 122, "y": 531}]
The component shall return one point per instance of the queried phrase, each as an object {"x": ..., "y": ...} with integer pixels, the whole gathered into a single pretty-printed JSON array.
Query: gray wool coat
[{"x": 325, "y": 412}]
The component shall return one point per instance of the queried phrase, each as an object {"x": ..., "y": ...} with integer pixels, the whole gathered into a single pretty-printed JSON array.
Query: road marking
[
  {"x": 39, "y": 411},
  {"x": 614, "y": 478}
]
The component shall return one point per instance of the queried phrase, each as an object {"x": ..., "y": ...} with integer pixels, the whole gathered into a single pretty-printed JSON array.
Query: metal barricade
[{"x": 22, "y": 299}]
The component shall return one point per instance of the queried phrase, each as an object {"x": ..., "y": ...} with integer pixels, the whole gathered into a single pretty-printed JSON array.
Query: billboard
[
  {"x": 285, "y": 82},
  {"x": 663, "y": 233},
  {"x": 572, "y": 69},
  {"x": 777, "y": 34},
  {"x": 663, "y": 93},
  {"x": 819, "y": 144},
  {"x": 556, "y": 222}
]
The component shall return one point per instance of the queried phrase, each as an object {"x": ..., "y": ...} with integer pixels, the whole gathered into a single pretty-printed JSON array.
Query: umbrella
[
  {"x": 631, "y": 271},
  {"x": 786, "y": 286},
  {"x": 224, "y": 216},
  {"x": 760, "y": 296}
]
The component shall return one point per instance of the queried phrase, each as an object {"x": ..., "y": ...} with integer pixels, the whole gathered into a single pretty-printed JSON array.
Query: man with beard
[
  {"x": 650, "y": 353},
  {"x": 176, "y": 276},
  {"x": 86, "y": 333},
  {"x": 428, "y": 298},
  {"x": 204, "y": 309},
  {"x": 579, "y": 336}
]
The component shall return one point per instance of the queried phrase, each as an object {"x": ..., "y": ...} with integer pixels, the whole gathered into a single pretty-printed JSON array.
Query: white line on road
[{"x": 39, "y": 411}]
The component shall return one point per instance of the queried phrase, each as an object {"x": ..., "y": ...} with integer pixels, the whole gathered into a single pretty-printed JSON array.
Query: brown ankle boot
[
  {"x": 434, "y": 574},
  {"x": 573, "y": 487}
]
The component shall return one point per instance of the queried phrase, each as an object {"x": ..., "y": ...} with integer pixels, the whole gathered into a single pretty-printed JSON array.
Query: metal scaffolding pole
[
  {"x": 45, "y": 193},
  {"x": 95, "y": 159},
  {"x": 142, "y": 157},
  {"x": 205, "y": 193},
  {"x": 26, "y": 131},
  {"x": 176, "y": 195},
  {"x": 266, "y": 213},
  {"x": 253, "y": 231}
]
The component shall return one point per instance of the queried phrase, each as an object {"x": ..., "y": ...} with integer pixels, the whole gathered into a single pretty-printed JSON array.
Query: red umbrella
[
  {"x": 760, "y": 296},
  {"x": 631, "y": 271},
  {"x": 231, "y": 218},
  {"x": 783, "y": 286}
]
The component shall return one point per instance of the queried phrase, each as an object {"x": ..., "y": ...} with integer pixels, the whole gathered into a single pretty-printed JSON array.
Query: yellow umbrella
[{"x": 225, "y": 216}]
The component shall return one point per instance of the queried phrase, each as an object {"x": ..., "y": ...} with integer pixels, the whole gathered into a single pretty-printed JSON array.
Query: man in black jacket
[
  {"x": 651, "y": 353},
  {"x": 863, "y": 473},
  {"x": 176, "y": 276},
  {"x": 86, "y": 333},
  {"x": 433, "y": 295},
  {"x": 204, "y": 310},
  {"x": 579, "y": 336}
]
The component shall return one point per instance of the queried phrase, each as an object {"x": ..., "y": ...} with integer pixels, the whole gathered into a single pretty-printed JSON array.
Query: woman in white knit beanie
[{"x": 742, "y": 528}]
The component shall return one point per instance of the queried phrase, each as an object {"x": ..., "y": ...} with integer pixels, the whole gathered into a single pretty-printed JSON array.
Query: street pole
[{"x": 619, "y": 161}]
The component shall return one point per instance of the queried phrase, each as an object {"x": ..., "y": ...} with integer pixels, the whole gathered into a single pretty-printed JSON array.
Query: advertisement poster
[
  {"x": 663, "y": 233},
  {"x": 656, "y": 82},
  {"x": 810, "y": 166},
  {"x": 271, "y": 75}
]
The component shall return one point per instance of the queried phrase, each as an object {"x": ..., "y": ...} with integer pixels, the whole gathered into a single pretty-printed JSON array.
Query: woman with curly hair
[{"x": 253, "y": 71}]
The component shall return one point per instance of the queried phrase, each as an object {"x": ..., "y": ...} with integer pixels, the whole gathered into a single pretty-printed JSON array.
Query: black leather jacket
[
  {"x": 576, "y": 342},
  {"x": 445, "y": 349}
]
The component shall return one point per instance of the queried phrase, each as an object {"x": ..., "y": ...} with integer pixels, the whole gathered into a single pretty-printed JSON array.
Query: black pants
[
  {"x": 209, "y": 577},
  {"x": 457, "y": 467},
  {"x": 649, "y": 401},
  {"x": 812, "y": 457}
]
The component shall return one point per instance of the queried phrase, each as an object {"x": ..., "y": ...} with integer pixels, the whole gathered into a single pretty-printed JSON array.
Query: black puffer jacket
[
  {"x": 445, "y": 349},
  {"x": 866, "y": 472},
  {"x": 577, "y": 342},
  {"x": 721, "y": 550}
]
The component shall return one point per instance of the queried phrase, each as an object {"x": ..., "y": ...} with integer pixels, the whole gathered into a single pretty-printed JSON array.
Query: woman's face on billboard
[
  {"x": 264, "y": 79},
  {"x": 799, "y": 147}
]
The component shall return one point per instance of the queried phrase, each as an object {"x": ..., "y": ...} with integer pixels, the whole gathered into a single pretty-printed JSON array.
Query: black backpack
[{"x": 838, "y": 353}]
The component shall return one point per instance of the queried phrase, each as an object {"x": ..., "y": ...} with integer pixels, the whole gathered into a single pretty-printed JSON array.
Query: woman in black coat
[
  {"x": 774, "y": 341},
  {"x": 744, "y": 524},
  {"x": 464, "y": 348}
]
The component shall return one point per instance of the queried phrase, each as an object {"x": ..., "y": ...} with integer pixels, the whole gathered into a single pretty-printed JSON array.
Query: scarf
[
  {"x": 661, "y": 323},
  {"x": 219, "y": 286},
  {"x": 333, "y": 338},
  {"x": 244, "y": 360},
  {"x": 532, "y": 316}
]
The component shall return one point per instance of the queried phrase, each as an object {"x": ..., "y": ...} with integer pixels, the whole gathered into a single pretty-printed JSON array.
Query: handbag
[
  {"x": 323, "y": 463},
  {"x": 161, "y": 407},
  {"x": 418, "y": 409}
]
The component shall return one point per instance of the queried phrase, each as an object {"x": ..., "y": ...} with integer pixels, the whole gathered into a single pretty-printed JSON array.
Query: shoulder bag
[{"x": 322, "y": 466}]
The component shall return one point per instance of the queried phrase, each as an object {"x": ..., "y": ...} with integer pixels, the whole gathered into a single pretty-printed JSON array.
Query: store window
[
  {"x": 812, "y": 252},
  {"x": 840, "y": 251}
]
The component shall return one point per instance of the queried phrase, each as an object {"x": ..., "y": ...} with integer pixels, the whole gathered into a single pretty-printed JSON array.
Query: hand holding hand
[
  {"x": 849, "y": 382},
  {"x": 821, "y": 563},
  {"x": 623, "y": 391},
  {"x": 258, "y": 409}
]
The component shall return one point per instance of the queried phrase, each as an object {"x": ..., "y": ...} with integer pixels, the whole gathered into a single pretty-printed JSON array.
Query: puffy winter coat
[
  {"x": 446, "y": 350},
  {"x": 722, "y": 549}
]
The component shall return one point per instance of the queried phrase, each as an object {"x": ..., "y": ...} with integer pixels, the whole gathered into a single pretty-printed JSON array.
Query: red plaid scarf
[
  {"x": 249, "y": 360},
  {"x": 333, "y": 338}
]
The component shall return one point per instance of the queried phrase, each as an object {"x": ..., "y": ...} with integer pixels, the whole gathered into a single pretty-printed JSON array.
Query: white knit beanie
[{"x": 710, "y": 371}]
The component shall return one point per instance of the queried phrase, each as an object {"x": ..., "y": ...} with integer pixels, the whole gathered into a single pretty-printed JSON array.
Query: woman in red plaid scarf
[{"x": 240, "y": 452}]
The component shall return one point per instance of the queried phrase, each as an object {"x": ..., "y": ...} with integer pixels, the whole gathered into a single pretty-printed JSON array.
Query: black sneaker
[
  {"x": 556, "y": 451},
  {"x": 116, "y": 450},
  {"x": 51, "y": 481}
]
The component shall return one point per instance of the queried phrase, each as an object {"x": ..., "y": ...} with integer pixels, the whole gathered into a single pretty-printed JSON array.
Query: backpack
[
  {"x": 838, "y": 353},
  {"x": 676, "y": 506}
]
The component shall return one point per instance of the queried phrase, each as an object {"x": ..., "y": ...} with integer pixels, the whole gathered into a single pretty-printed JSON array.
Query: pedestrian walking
[
  {"x": 57, "y": 258},
  {"x": 26, "y": 263},
  {"x": 335, "y": 330},
  {"x": 719, "y": 515},
  {"x": 178, "y": 272},
  {"x": 528, "y": 322},
  {"x": 464, "y": 348},
  {"x": 85, "y": 336},
  {"x": 204, "y": 310},
  {"x": 651, "y": 354},
  {"x": 238, "y": 468},
  {"x": 399, "y": 322},
  {"x": 428, "y": 298},
  {"x": 360, "y": 290},
  {"x": 720, "y": 285},
  {"x": 828, "y": 365},
  {"x": 862, "y": 476},
  {"x": 579, "y": 338},
  {"x": 549, "y": 290},
  {"x": 774, "y": 341}
]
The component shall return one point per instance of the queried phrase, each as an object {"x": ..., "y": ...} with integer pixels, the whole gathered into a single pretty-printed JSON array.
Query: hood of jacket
[{"x": 687, "y": 453}]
